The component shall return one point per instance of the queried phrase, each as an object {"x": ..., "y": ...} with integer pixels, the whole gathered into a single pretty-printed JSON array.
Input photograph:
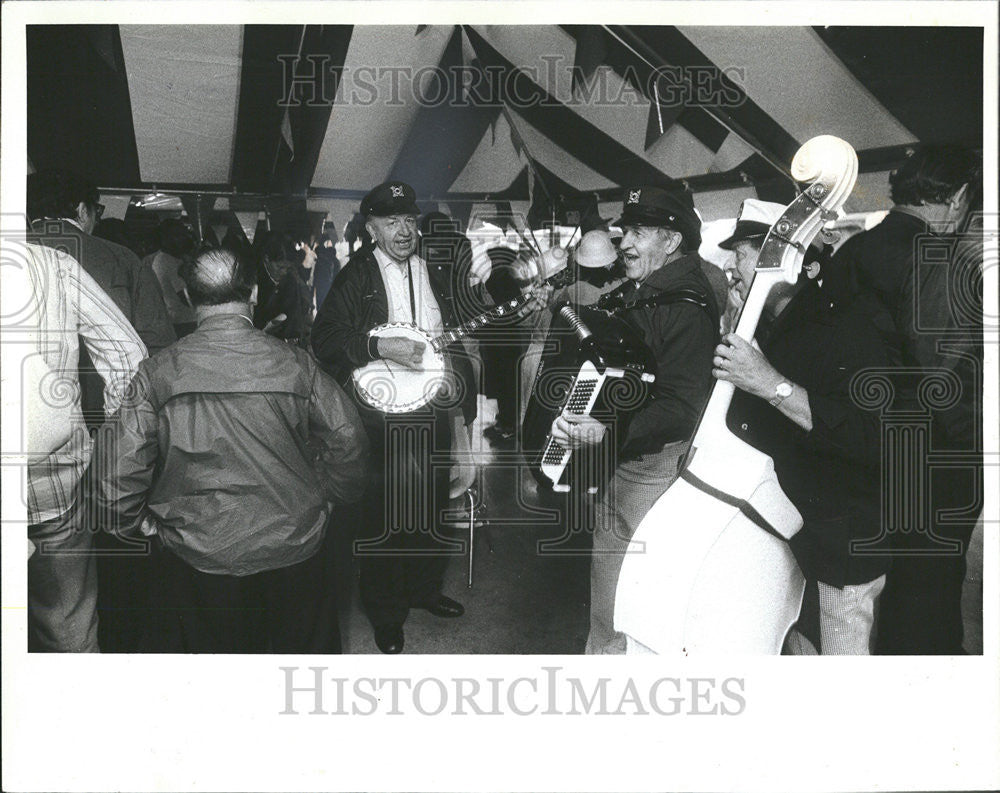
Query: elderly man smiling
[
  {"x": 404, "y": 558},
  {"x": 659, "y": 250}
]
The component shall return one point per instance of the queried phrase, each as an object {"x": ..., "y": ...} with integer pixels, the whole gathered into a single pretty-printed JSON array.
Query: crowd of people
[{"x": 189, "y": 491}]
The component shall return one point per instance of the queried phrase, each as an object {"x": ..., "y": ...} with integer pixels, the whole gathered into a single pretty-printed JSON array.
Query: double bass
[{"x": 709, "y": 569}]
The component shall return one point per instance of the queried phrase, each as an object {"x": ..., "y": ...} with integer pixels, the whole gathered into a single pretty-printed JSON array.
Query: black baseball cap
[{"x": 390, "y": 198}]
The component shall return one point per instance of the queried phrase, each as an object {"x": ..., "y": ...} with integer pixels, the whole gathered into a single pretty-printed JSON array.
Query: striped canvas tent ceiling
[{"x": 462, "y": 111}]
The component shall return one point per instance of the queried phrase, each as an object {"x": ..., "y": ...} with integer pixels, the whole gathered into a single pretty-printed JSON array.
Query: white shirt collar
[
  {"x": 71, "y": 221},
  {"x": 385, "y": 262}
]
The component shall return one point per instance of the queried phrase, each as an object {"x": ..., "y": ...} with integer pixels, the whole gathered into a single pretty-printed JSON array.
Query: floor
[
  {"x": 530, "y": 596},
  {"x": 524, "y": 598}
]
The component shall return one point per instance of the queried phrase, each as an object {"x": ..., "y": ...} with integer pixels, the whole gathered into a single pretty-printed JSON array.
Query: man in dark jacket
[
  {"x": 234, "y": 449},
  {"x": 659, "y": 250},
  {"x": 403, "y": 558},
  {"x": 929, "y": 300},
  {"x": 794, "y": 403}
]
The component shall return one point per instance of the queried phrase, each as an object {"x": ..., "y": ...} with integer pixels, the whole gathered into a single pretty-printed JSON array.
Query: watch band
[{"x": 778, "y": 397}]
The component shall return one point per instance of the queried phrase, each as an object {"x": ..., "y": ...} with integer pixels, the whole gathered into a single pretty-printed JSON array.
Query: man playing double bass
[
  {"x": 794, "y": 403},
  {"x": 659, "y": 251}
]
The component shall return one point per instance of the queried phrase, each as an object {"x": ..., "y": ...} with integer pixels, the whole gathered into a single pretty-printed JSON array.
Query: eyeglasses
[{"x": 99, "y": 210}]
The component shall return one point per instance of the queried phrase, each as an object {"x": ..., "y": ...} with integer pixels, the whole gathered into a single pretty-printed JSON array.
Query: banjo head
[{"x": 392, "y": 388}]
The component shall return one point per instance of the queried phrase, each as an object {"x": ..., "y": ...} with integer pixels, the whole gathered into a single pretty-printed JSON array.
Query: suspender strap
[
  {"x": 413, "y": 300},
  {"x": 674, "y": 296},
  {"x": 667, "y": 298},
  {"x": 739, "y": 503}
]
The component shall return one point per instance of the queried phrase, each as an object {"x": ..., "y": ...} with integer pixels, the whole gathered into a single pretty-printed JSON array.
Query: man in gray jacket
[{"x": 233, "y": 449}]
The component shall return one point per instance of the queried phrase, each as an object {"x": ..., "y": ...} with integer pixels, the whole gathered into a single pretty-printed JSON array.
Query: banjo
[{"x": 393, "y": 388}]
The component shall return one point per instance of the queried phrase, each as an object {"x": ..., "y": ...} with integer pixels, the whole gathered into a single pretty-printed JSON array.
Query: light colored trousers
[
  {"x": 62, "y": 586},
  {"x": 846, "y": 619},
  {"x": 635, "y": 487}
]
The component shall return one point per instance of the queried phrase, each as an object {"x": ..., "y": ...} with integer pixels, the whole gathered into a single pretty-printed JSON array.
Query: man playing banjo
[{"x": 403, "y": 557}]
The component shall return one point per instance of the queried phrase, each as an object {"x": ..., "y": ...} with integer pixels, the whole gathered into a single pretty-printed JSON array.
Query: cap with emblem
[
  {"x": 656, "y": 206},
  {"x": 390, "y": 198},
  {"x": 754, "y": 221}
]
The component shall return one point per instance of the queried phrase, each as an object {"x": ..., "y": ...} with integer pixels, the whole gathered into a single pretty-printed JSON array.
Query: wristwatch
[{"x": 782, "y": 391}]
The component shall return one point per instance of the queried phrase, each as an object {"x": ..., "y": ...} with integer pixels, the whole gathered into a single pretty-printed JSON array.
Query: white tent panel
[
  {"x": 719, "y": 204},
  {"x": 815, "y": 94},
  {"x": 557, "y": 160},
  {"x": 493, "y": 165},
  {"x": 545, "y": 53},
  {"x": 548, "y": 54},
  {"x": 732, "y": 152},
  {"x": 615, "y": 108},
  {"x": 184, "y": 89},
  {"x": 368, "y": 126},
  {"x": 678, "y": 153}
]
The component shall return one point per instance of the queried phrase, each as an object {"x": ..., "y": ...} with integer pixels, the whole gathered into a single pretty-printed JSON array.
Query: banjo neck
[
  {"x": 562, "y": 278},
  {"x": 484, "y": 319}
]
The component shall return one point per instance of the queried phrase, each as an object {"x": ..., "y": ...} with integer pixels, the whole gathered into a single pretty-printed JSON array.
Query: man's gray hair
[{"x": 218, "y": 276}]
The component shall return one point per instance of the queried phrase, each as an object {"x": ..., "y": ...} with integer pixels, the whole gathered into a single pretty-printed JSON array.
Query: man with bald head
[{"x": 233, "y": 450}]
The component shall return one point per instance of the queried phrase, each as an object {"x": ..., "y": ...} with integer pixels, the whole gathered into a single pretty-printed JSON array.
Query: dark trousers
[
  {"x": 501, "y": 366},
  {"x": 124, "y": 569},
  {"x": 288, "y": 610},
  {"x": 920, "y": 610},
  {"x": 402, "y": 556}
]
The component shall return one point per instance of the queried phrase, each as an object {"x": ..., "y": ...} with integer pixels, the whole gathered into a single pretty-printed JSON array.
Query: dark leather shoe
[
  {"x": 441, "y": 606},
  {"x": 389, "y": 638}
]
